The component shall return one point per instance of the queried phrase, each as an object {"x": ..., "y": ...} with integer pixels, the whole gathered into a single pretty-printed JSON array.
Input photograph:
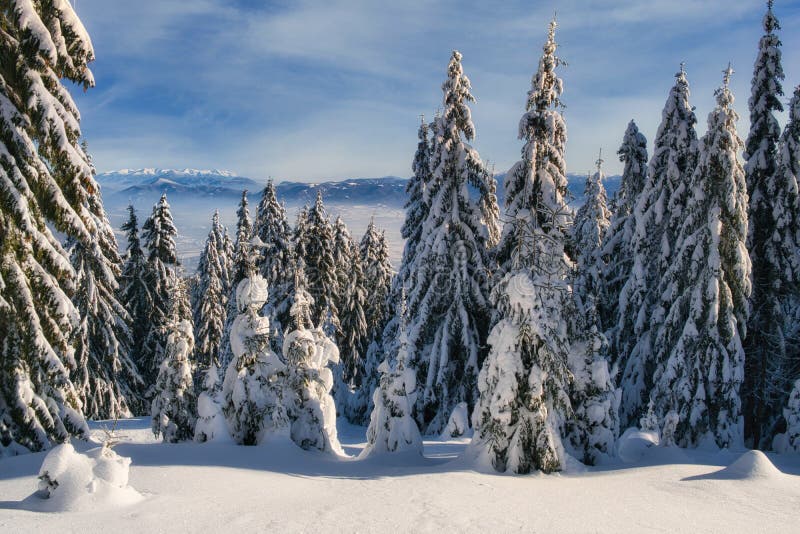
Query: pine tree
[
  {"x": 591, "y": 223},
  {"x": 617, "y": 251},
  {"x": 44, "y": 188},
  {"x": 209, "y": 310},
  {"x": 699, "y": 324},
  {"x": 242, "y": 263},
  {"x": 161, "y": 276},
  {"x": 255, "y": 381},
  {"x": 392, "y": 427},
  {"x": 378, "y": 274},
  {"x": 416, "y": 206},
  {"x": 307, "y": 352},
  {"x": 524, "y": 383},
  {"x": 772, "y": 243},
  {"x": 448, "y": 305},
  {"x": 353, "y": 340},
  {"x": 593, "y": 428},
  {"x": 320, "y": 266},
  {"x": 272, "y": 228},
  {"x": 536, "y": 186},
  {"x": 211, "y": 424},
  {"x": 659, "y": 216},
  {"x": 106, "y": 377},
  {"x": 174, "y": 407}
]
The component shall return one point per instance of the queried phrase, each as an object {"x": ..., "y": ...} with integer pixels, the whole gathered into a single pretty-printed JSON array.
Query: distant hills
[
  {"x": 195, "y": 194},
  {"x": 147, "y": 184}
]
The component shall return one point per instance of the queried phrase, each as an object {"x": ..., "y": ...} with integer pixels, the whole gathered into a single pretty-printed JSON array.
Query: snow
[
  {"x": 279, "y": 487},
  {"x": 72, "y": 481}
]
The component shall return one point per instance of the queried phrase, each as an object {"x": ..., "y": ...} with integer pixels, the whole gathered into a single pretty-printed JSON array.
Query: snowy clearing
[{"x": 188, "y": 487}]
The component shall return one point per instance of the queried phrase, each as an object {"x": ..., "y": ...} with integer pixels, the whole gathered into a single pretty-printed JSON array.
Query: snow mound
[
  {"x": 750, "y": 466},
  {"x": 634, "y": 443},
  {"x": 458, "y": 424},
  {"x": 71, "y": 481}
]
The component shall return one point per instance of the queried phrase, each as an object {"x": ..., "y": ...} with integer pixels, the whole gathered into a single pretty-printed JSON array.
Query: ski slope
[{"x": 228, "y": 488}]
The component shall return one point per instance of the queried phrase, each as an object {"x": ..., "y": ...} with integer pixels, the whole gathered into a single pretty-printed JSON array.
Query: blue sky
[{"x": 302, "y": 90}]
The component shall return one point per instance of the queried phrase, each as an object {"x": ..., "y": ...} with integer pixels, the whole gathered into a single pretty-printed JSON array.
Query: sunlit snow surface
[{"x": 226, "y": 488}]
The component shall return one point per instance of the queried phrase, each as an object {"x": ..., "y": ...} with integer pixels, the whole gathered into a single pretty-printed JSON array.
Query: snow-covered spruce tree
[
  {"x": 591, "y": 223},
  {"x": 300, "y": 233},
  {"x": 320, "y": 266},
  {"x": 524, "y": 383},
  {"x": 307, "y": 352},
  {"x": 789, "y": 216},
  {"x": 106, "y": 377},
  {"x": 352, "y": 342},
  {"x": 242, "y": 263},
  {"x": 45, "y": 174},
  {"x": 378, "y": 274},
  {"x": 392, "y": 427},
  {"x": 342, "y": 258},
  {"x": 255, "y": 384},
  {"x": 134, "y": 292},
  {"x": 448, "y": 304},
  {"x": 174, "y": 406},
  {"x": 659, "y": 215},
  {"x": 159, "y": 235},
  {"x": 524, "y": 399},
  {"x": 490, "y": 210},
  {"x": 211, "y": 424},
  {"x": 210, "y": 302},
  {"x": 274, "y": 263},
  {"x": 772, "y": 242},
  {"x": 416, "y": 206},
  {"x": 699, "y": 325},
  {"x": 536, "y": 186},
  {"x": 594, "y": 426},
  {"x": 792, "y": 415},
  {"x": 617, "y": 249}
]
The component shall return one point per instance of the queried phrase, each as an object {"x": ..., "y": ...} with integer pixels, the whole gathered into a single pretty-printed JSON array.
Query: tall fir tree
[
  {"x": 255, "y": 380},
  {"x": 135, "y": 293},
  {"x": 307, "y": 352},
  {"x": 772, "y": 247},
  {"x": 591, "y": 224},
  {"x": 161, "y": 276},
  {"x": 210, "y": 302},
  {"x": 416, "y": 206},
  {"x": 242, "y": 263},
  {"x": 392, "y": 426},
  {"x": 700, "y": 319},
  {"x": 448, "y": 305},
  {"x": 617, "y": 251},
  {"x": 593, "y": 427},
  {"x": 659, "y": 216},
  {"x": 536, "y": 186},
  {"x": 174, "y": 406},
  {"x": 320, "y": 266},
  {"x": 350, "y": 385},
  {"x": 274, "y": 263},
  {"x": 46, "y": 176},
  {"x": 107, "y": 378},
  {"x": 524, "y": 383}
]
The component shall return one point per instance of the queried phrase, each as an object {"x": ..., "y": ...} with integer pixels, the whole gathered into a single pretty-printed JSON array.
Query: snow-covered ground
[{"x": 227, "y": 488}]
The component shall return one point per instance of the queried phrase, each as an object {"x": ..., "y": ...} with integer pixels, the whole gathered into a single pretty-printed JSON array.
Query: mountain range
[{"x": 147, "y": 184}]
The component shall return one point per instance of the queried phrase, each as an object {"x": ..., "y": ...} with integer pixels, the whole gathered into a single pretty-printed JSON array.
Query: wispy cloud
[{"x": 309, "y": 90}]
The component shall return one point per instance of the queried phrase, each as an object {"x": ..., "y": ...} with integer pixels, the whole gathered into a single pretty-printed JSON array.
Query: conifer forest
[{"x": 625, "y": 361}]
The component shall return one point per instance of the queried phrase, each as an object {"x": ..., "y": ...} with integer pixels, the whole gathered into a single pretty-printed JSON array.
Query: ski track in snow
[{"x": 227, "y": 488}]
